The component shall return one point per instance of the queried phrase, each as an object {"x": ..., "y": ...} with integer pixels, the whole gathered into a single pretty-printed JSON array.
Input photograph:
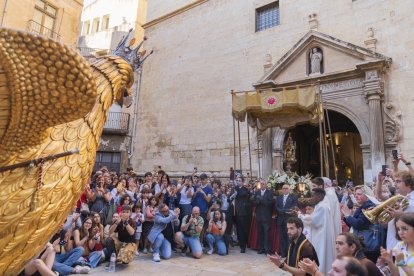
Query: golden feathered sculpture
[{"x": 51, "y": 101}]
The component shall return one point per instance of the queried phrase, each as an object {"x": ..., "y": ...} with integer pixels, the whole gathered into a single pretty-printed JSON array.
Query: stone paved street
[{"x": 234, "y": 264}]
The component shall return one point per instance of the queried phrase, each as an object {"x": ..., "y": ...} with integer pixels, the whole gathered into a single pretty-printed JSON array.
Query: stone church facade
[{"x": 205, "y": 49}]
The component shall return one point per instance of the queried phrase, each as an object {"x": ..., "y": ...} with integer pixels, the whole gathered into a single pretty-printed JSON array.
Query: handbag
[{"x": 370, "y": 237}]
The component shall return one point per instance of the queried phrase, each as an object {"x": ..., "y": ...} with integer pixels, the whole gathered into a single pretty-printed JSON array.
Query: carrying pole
[
  {"x": 240, "y": 159},
  {"x": 332, "y": 143},
  {"x": 250, "y": 155},
  {"x": 321, "y": 139},
  {"x": 258, "y": 151},
  {"x": 234, "y": 144},
  {"x": 325, "y": 141}
]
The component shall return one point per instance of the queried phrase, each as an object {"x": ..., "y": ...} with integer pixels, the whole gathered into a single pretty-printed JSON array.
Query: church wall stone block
[{"x": 205, "y": 52}]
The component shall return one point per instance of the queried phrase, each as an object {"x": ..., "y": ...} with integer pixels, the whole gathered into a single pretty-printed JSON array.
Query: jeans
[
  {"x": 162, "y": 246},
  {"x": 218, "y": 241},
  {"x": 94, "y": 259},
  {"x": 193, "y": 243},
  {"x": 63, "y": 262}
]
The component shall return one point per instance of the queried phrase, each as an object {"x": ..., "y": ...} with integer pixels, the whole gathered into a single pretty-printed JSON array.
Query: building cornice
[
  {"x": 174, "y": 13},
  {"x": 79, "y": 2}
]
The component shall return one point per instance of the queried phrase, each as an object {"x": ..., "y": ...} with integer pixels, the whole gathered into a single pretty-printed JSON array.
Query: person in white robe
[
  {"x": 322, "y": 232},
  {"x": 334, "y": 207}
]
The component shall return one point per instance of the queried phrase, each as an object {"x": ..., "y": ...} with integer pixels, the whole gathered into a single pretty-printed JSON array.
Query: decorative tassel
[{"x": 34, "y": 204}]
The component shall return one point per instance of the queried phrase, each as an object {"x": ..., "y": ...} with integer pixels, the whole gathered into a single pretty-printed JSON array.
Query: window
[
  {"x": 86, "y": 27},
  {"x": 267, "y": 16},
  {"x": 112, "y": 160},
  {"x": 43, "y": 18},
  {"x": 105, "y": 22},
  {"x": 95, "y": 25}
]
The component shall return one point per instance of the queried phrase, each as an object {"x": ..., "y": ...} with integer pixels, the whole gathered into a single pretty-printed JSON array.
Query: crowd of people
[{"x": 331, "y": 233}]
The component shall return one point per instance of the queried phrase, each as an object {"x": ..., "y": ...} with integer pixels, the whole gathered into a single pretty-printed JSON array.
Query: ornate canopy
[{"x": 275, "y": 107}]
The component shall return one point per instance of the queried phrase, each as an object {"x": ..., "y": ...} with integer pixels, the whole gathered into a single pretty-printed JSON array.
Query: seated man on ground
[
  {"x": 160, "y": 245},
  {"x": 191, "y": 227},
  {"x": 300, "y": 248},
  {"x": 124, "y": 245}
]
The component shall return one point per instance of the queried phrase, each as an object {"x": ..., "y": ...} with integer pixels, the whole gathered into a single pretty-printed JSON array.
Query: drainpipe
[
  {"x": 4, "y": 13},
  {"x": 135, "y": 114}
]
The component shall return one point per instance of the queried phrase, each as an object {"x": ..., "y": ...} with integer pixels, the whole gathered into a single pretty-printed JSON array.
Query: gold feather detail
[{"x": 55, "y": 102}]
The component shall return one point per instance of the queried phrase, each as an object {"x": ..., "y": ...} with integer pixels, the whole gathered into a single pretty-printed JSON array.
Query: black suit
[
  {"x": 282, "y": 217},
  {"x": 264, "y": 208},
  {"x": 243, "y": 212}
]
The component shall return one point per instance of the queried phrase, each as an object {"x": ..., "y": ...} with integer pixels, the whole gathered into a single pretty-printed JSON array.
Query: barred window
[
  {"x": 267, "y": 16},
  {"x": 112, "y": 160}
]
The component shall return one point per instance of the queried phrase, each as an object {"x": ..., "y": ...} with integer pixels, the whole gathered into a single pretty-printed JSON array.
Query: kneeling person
[
  {"x": 160, "y": 245},
  {"x": 191, "y": 227},
  {"x": 124, "y": 245}
]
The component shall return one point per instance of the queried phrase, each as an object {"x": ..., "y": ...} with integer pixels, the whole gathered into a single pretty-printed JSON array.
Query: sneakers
[
  {"x": 156, "y": 257},
  {"x": 210, "y": 251},
  {"x": 150, "y": 250},
  {"x": 81, "y": 269},
  {"x": 145, "y": 251},
  {"x": 137, "y": 253}
]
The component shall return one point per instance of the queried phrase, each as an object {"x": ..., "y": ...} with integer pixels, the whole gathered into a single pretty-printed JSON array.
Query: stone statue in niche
[{"x": 315, "y": 60}]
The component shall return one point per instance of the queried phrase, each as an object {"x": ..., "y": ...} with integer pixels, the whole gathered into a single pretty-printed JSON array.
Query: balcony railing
[
  {"x": 90, "y": 52},
  {"x": 117, "y": 122},
  {"x": 39, "y": 29}
]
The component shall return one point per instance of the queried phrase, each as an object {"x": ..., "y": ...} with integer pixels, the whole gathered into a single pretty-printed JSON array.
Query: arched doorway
[{"x": 346, "y": 142}]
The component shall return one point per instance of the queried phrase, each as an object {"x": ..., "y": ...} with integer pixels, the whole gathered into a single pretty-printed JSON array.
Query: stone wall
[
  {"x": 158, "y": 8},
  {"x": 18, "y": 13},
  {"x": 202, "y": 54}
]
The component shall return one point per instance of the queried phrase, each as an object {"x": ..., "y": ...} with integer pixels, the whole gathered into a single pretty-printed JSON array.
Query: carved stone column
[
  {"x": 373, "y": 93},
  {"x": 366, "y": 161},
  {"x": 278, "y": 138},
  {"x": 267, "y": 155}
]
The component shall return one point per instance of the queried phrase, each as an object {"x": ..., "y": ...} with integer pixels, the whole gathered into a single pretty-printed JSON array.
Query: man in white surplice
[
  {"x": 335, "y": 209},
  {"x": 322, "y": 231}
]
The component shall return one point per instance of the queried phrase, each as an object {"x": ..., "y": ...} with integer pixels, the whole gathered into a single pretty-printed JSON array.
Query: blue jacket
[
  {"x": 358, "y": 220},
  {"x": 160, "y": 223}
]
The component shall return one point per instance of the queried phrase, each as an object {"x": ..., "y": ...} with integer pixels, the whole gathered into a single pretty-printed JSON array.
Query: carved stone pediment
[{"x": 336, "y": 57}]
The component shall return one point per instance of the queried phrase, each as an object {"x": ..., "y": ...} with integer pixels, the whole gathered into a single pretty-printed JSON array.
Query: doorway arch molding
[
  {"x": 280, "y": 133},
  {"x": 358, "y": 122}
]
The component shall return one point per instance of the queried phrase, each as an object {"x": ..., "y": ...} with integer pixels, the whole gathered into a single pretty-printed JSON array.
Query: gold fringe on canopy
[{"x": 270, "y": 107}]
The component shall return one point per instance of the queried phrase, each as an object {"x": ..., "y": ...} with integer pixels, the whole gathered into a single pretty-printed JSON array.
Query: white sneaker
[
  {"x": 137, "y": 253},
  {"x": 145, "y": 251},
  {"x": 210, "y": 251},
  {"x": 82, "y": 269},
  {"x": 156, "y": 257}
]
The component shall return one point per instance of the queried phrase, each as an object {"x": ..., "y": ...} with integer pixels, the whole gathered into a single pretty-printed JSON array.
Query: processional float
[{"x": 53, "y": 106}]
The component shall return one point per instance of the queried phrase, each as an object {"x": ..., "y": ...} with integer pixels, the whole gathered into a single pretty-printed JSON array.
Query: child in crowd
[
  {"x": 308, "y": 212},
  {"x": 150, "y": 211},
  {"x": 138, "y": 217}
]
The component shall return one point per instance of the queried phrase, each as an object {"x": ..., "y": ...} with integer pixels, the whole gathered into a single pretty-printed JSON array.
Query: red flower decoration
[{"x": 271, "y": 101}]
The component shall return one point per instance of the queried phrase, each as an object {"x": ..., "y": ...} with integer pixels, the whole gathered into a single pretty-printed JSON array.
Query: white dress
[{"x": 322, "y": 235}]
